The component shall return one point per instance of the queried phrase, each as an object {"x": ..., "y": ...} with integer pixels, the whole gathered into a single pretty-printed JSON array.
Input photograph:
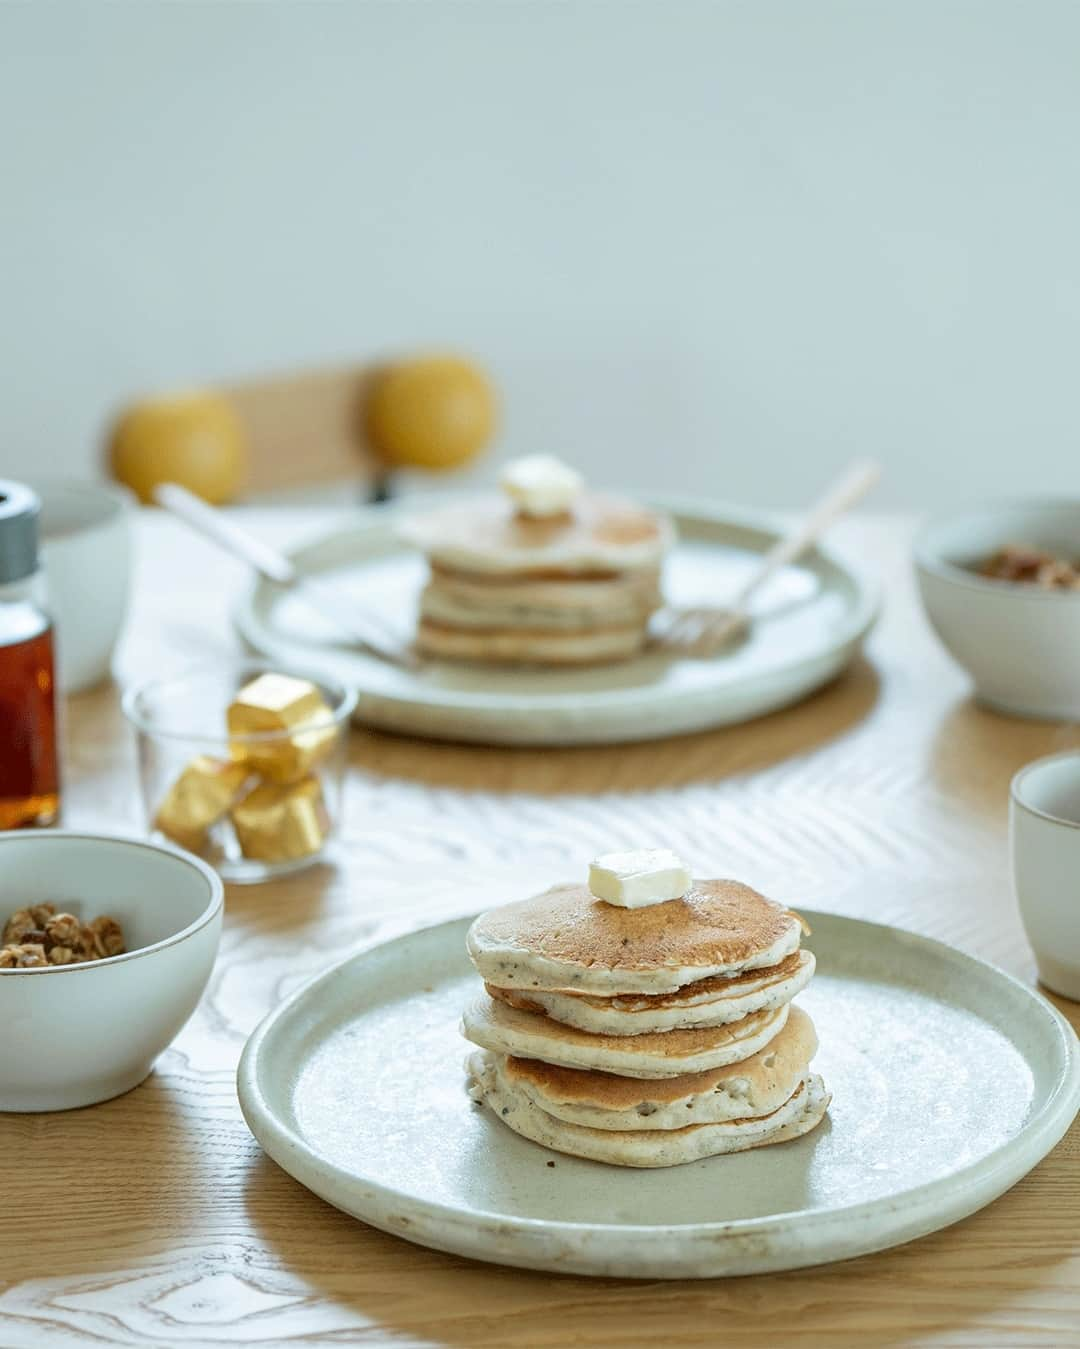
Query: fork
[
  {"x": 704, "y": 630},
  {"x": 365, "y": 631}
]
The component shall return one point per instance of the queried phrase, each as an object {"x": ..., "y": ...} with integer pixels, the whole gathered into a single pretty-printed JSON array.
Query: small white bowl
[
  {"x": 78, "y": 1034},
  {"x": 1020, "y": 643}
]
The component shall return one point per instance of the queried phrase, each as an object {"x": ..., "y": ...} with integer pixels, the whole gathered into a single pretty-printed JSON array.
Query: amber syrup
[{"x": 29, "y": 782}]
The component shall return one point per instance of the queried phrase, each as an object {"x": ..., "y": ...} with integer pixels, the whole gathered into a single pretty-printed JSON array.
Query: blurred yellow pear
[
  {"x": 194, "y": 439},
  {"x": 432, "y": 412}
]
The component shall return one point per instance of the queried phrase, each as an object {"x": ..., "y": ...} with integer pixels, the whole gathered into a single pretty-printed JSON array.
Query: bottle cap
[{"x": 19, "y": 511}]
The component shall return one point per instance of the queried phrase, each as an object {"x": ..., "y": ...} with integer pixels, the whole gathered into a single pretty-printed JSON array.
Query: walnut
[
  {"x": 1019, "y": 562},
  {"x": 1010, "y": 563},
  {"x": 20, "y": 922},
  {"x": 63, "y": 930},
  {"x": 108, "y": 936},
  {"x": 1056, "y": 575},
  {"x": 85, "y": 944},
  {"x": 38, "y": 935},
  {"x": 22, "y": 956}
]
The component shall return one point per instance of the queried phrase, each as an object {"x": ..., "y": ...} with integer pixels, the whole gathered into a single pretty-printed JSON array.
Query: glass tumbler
[{"x": 248, "y": 827}]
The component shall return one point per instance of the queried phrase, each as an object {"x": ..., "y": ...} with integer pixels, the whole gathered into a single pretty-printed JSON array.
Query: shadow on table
[
  {"x": 679, "y": 760},
  {"x": 100, "y": 1206},
  {"x": 976, "y": 750},
  {"x": 1000, "y": 1269},
  {"x": 282, "y": 902}
]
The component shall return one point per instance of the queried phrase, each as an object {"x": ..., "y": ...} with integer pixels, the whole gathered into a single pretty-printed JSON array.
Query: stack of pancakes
[
  {"x": 576, "y": 587},
  {"x": 647, "y": 1036}
]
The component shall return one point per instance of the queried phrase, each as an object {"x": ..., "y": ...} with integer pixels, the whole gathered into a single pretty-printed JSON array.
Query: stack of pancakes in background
[
  {"x": 544, "y": 574},
  {"x": 648, "y": 1035}
]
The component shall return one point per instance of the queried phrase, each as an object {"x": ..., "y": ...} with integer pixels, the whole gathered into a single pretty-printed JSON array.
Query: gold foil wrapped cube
[
  {"x": 279, "y": 704},
  {"x": 278, "y": 822},
  {"x": 199, "y": 797}
]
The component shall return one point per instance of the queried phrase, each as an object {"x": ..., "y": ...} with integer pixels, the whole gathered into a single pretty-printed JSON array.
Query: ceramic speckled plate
[
  {"x": 950, "y": 1081},
  {"x": 809, "y": 622}
]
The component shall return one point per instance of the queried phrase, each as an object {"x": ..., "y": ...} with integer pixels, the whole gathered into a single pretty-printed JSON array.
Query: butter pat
[
  {"x": 198, "y": 798},
  {"x": 280, "y": 707},
  {"x": 541, "y": 485},
  {"x": 632, "y": 880},
  {"x": 280, "y": 822}
]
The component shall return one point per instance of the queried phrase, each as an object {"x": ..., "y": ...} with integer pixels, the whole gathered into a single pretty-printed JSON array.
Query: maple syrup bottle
[{"x": 29, "y": 781}]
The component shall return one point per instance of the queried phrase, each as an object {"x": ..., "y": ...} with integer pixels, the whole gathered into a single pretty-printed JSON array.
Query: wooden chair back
[{"x": 304, "y": 428}]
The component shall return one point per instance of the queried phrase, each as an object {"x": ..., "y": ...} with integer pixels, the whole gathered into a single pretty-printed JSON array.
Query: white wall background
[{"x": 718, "y": 247}]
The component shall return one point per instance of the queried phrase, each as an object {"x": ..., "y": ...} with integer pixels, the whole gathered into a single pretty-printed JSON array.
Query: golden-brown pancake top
[
  {"x": 719, "y": 922},
  {"x": 785, "y": 1057}
]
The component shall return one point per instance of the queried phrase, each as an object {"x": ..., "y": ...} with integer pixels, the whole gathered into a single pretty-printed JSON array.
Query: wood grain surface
[{"x": 155, "y": 1219}]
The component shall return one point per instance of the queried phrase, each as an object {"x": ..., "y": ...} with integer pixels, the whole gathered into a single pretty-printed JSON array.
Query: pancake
[
  {"x": 520, "y": 646},
  {"x": 487, "y": 534},
  {"x": 756, "y": 1086},
  {"x": 526, "y": 1035},
  {"x": 567, "y": 940},
  {"x": 549, "y": 585},
  {"x": 709, "y": 1002},
  {"x": 647, "y": 1148},
  {"x": 517, "y": 602}
]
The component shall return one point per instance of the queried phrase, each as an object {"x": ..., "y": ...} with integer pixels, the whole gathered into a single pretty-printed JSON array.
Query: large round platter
[
  {"x": 950, "y": 1081},
  {"x": 810, "y": 622}
]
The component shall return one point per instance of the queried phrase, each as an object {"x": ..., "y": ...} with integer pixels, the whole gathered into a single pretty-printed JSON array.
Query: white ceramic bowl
[
  {"x": 88, "y": 1032},
  {"x": 87, "y": 550},
  {"x": 1019, "y": 643}
]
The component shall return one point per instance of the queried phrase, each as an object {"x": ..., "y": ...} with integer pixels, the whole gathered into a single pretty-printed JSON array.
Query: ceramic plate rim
[
  {"x": 919, "y": 1213},
  {"x": 856, "y": 624}
]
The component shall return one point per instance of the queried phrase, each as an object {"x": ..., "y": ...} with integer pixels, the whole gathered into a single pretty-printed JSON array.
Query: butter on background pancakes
[
  {"x": 567, "y": 939},
  {"x": 641, "y": 1030},
  {"x": 484, "y": 535},
  {"x": 546, "y": 574}
]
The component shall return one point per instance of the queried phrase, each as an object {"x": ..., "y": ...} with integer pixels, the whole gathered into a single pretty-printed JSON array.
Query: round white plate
[
  {"x": 950, "y": 1080},
  {"x": 809, "y": 623}
]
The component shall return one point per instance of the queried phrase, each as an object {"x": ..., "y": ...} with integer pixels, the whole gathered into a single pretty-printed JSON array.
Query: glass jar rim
[{"x": 341, "y": 695}]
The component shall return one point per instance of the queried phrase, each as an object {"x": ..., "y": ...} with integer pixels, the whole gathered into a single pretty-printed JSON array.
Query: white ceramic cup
[
  {"x": 86, "y": 550},
  {"x": 1044, "y": 845}
]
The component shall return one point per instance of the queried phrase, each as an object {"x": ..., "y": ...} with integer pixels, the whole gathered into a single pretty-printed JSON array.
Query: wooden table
[{"x": 156, "y": 1219}]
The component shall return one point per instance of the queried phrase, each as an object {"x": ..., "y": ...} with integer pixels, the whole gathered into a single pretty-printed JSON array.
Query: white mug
[
  {"x": 1044, "y": 845},
  {"x": 86, "y": 553}
]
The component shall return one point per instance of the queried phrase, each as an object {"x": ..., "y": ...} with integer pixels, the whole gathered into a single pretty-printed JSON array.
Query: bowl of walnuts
[
  {"x": 1000, "y": 584},
  {"x": 106, "y": 946}
]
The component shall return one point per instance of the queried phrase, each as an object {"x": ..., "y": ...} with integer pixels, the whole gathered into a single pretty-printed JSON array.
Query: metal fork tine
[{"x": 697, "y": 631}]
